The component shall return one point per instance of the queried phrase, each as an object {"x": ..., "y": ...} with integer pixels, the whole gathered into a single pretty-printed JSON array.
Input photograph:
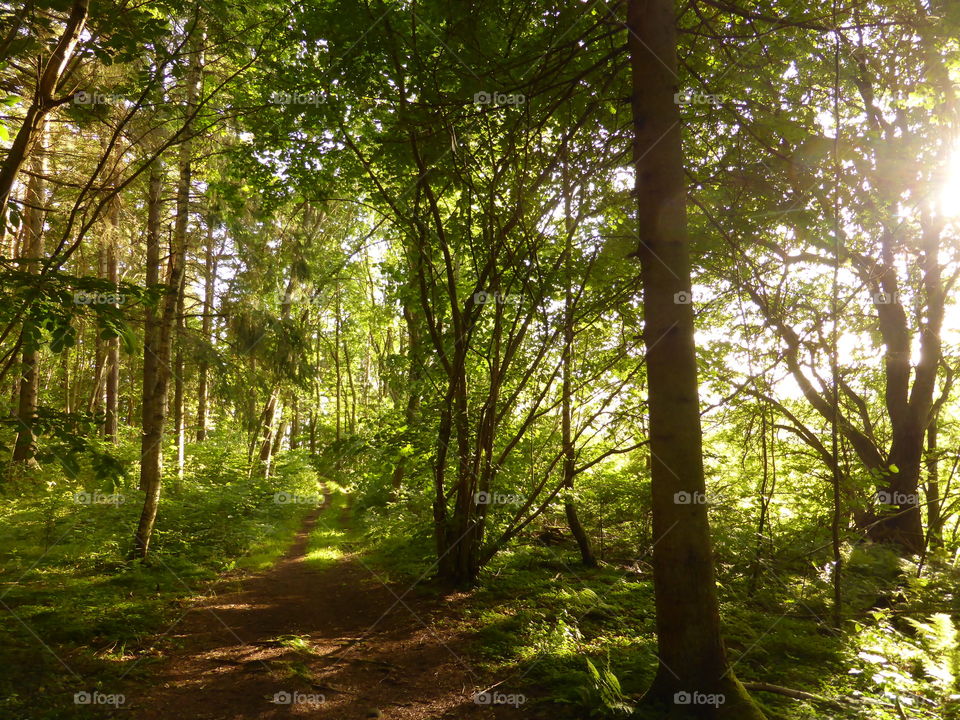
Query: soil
[{"x": 369, "y": 650}]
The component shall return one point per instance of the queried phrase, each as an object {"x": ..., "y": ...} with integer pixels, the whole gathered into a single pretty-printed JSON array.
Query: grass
[
  {"x": 334, "y": 535},
  {"x": 581, "y": 643},
  {"x": 81, "y": 617}
]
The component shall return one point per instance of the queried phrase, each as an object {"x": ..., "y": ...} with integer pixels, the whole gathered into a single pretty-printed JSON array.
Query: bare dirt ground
[{"x": 364, "y": 653}]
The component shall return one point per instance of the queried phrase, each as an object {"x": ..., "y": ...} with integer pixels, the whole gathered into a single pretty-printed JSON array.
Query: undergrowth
[{"x": 81, "y": 617}]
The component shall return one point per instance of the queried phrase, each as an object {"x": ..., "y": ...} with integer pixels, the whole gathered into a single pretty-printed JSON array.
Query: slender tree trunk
[
  {"x": 934, "y": 518},
  {"x": 278, "y": 437},
  {"x": 269, "y": 417},
  {"x": 43, "y": 102},
  {"x": 413, "y": 391},
  {"x": 31, "y": 252},
  {"x": 336, "y": 356},
  {"x": 67, "y": 378},
  {"x": 352, "y": 413},
  {"x": 566, "y": 410},
  {"x": 159, "y": 333},
  {"x": 151, "y": 450},
  {"x": 179, "y": 420},
  {"x": 294, "y": 422},
  {"x": 768, "y": 481},
  {"x": 206, "y": 326},
  {"x": 95, "y": 403},
  {"x": 694, "y": 678},
  {"x": 112, "y": 359}
]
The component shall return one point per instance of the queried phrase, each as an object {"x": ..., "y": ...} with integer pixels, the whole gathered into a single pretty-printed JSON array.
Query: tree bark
[
  {"x": 294, "y": 421},
  {"x": 158, "y": 332},
  {"x": 206, "y": 326},
  {"x": 179, "y": 420},
  {"x": 43, "y": 102},
  {"x": 336, "y": 356},
  {"x": 693, "y": 663},
  {"x": 112, "y": 359},
  {"x": 154, "y": 382},
  {"x": 566, "y": 410},
  {"x": 268, "y": 417},
  {"x": 31, "y": 252},
  {"x": 934, "y": 518}
]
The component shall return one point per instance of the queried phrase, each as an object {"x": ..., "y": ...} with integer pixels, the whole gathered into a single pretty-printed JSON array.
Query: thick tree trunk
[
  {"x": 694, "y": 678},
  {"x": 900, "y": 521}
]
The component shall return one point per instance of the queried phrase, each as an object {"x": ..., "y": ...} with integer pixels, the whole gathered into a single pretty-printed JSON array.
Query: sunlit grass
[{"x": 326, "y": 545}]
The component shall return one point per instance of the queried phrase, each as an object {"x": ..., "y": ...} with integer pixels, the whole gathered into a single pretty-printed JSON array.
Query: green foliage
[{"x": 64, "y": 549}]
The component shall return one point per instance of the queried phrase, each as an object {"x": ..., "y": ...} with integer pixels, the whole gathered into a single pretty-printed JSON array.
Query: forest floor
[{"x": 319, "y": 640}]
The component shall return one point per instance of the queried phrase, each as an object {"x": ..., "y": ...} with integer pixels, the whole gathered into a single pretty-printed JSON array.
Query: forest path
[{"x": 364, "y": 649}]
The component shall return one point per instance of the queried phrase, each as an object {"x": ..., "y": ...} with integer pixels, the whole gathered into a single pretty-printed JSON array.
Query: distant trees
[{"x": 856, "y": 189}]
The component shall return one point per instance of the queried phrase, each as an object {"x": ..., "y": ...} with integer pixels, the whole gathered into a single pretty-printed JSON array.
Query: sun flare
[{"x": 950, "y": 190}]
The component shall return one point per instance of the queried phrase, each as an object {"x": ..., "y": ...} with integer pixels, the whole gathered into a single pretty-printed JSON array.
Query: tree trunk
[
  {"x": 336, "y": 356},
  {"x": 694, "y": 678},
  {"x": 31, "y": 251},
  {"x": 179, "y": 421},
  {"x": 268, "y": 417},
  {"x": 206, "y": 326},
  {"x": 566, "y": 410},
  {"x": 158, "y": 332},
  {"x": 154, "y": 382},
  {"x": 413, "y": 391},
  {"x": 294, "y": 422},
  {"x": 352, "y": 412},
  {"x": 112, "y": 359},
  {"x": 43, "y": 102},
  {"x": 934, "y": 518}
]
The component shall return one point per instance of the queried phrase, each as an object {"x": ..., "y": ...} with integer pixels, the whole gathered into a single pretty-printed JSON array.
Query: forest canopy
[{"x": 480, "y": 359}]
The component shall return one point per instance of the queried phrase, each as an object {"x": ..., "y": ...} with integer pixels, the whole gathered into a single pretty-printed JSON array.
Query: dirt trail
[{"x": 371, "y": 655}]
